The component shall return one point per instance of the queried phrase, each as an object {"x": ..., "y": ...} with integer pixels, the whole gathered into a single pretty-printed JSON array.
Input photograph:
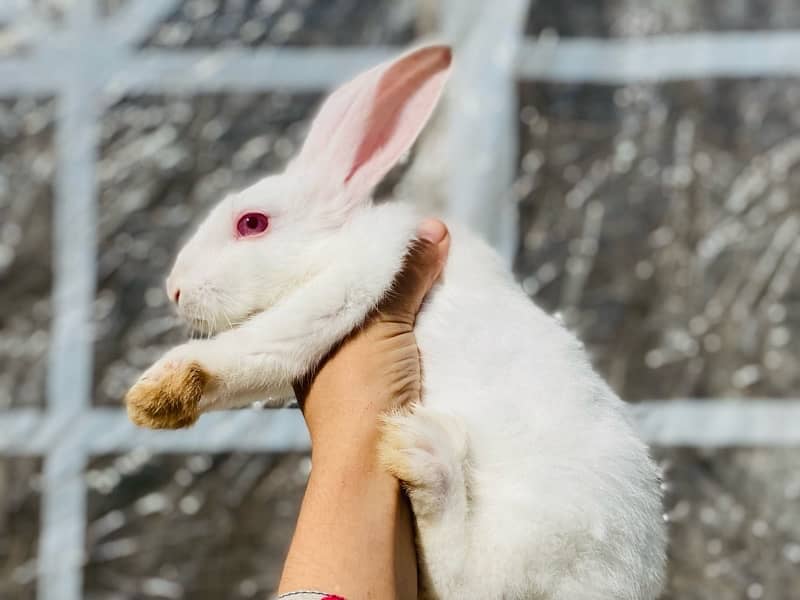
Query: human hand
[{"x": 377, "y": 368}]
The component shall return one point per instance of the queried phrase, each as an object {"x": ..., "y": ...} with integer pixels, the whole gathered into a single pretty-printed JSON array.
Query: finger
[{"x": 423, "y": 265}]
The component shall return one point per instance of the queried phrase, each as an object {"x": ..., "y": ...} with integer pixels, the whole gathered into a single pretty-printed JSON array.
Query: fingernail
[{"x": 432, "y": 230}]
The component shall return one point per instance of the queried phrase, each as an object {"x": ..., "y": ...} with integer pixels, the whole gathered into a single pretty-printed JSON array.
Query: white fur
[{"x": 529, "y": 481}]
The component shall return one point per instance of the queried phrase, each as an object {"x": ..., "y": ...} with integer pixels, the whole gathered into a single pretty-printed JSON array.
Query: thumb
[{"x": 423, "y": 265}]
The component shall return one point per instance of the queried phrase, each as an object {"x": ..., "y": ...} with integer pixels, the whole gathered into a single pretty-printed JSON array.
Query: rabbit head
[{"x": 258, "y": 245}]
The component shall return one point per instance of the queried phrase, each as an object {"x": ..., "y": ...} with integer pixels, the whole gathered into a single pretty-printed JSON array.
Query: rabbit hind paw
[{"x": 426, "y": 451}]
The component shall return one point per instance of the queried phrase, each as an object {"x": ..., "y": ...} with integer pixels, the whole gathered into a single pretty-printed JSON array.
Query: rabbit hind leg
[{"x": 428, "y": 452}]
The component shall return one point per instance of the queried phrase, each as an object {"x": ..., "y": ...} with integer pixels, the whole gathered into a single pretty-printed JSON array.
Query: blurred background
[{"x": 636, "y": 161}]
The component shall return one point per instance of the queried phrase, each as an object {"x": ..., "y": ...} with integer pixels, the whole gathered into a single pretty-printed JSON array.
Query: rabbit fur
[{"x": 525, "y": 474}]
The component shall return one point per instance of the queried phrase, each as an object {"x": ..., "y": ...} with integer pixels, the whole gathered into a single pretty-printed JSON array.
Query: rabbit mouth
[{"x": 202, "y": 326}]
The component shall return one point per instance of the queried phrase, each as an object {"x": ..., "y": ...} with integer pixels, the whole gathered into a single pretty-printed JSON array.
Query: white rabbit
[{"x": 525, "y": 474}]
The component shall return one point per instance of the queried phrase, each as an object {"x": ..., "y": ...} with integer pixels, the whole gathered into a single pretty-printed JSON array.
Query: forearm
[{"x": 352, "y": 533}]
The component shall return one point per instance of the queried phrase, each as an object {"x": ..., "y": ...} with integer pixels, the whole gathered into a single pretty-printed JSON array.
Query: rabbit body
[
  {"x": 536, "y": 486},
  {"x": 526, "y": 477}
]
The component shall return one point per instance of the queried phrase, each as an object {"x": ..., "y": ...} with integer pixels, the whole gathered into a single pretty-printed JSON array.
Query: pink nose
[{"x": 173, "y": 291}]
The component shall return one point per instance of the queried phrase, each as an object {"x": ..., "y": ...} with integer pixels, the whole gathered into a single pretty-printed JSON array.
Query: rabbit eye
[{"x": 252, "y": 223}]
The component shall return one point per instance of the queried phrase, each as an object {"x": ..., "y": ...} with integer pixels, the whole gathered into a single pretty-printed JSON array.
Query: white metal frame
[{"x": 88, "y": 61}]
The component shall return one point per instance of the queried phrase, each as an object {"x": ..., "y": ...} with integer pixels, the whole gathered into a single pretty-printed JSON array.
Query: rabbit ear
[{"x": 367, "y": 125}]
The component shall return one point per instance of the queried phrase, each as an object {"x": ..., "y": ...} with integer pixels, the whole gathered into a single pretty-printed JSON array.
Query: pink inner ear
[
  {"x": 377, "y": 138},
  {"x": 395, "y": 90}
]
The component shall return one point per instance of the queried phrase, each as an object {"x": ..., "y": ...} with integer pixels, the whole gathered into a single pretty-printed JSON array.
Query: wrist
[
  {"x": 342, "y": 426},
  {"x": 340, "y": 447},
  {"x": 352, "y": 473}
]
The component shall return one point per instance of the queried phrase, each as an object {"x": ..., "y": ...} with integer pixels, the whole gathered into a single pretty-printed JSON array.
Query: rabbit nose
[{"x": 174, "y": 292}]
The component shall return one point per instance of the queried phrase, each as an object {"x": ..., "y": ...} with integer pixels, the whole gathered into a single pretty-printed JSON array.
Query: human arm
[{"x": 354, "y": 535}]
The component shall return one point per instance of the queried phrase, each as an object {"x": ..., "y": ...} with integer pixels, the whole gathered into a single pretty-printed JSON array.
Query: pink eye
[{"x": 252, "y": 223}]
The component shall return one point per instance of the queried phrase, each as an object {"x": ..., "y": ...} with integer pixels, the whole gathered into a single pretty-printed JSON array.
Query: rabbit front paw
[
  {"x": 167, "y": 395},
  {"x": 427, "y": 451}
]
